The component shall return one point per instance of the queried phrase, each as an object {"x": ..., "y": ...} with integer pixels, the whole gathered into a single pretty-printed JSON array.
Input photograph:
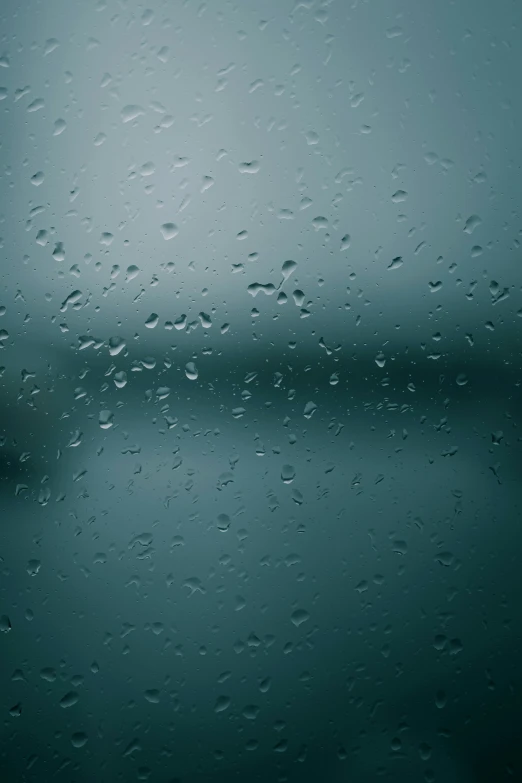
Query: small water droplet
[
  {"x": 33, "y": 566},
  {"x": 79, "y": 739},
  {"x": 309, "y": 410},
  {"x": 249, "y": 167}
]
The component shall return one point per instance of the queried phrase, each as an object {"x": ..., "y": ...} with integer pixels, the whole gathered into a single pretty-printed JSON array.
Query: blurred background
[{"x": 260, "y": 367}]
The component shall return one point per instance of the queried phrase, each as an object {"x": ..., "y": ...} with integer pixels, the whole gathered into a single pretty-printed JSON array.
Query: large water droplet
[{"x": 191, "y": 371}]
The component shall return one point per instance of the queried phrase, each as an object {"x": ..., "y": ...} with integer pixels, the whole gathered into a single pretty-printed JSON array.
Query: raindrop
[
  {"x": 222, "y": 704},
  {"x": 396, "y": 263},
  {"x": 33, "y": 566},
  {"x": 191, "y": 371},
  {"x": 79, "y": 739},
  {"x": 472, "y": 223},
  {"x": 132, "y": 272},
  {"x": 223, "y": 522},
  {"x": 120, "y": 379},
  {"x": 59, "y": 127},
  {"x": 116, "y": 345},
  {"x": 287, "y": 474},
  {"x": 69, "y": 700},
  {"x": 309, "y": 410},
  {"x": 287, "y": 269},
  {"x": 131, "y": 112},
  {"x": 251, "y": 167},
  {"x": 105, "y": 419},
  {"x": 169, "y": 230},
  {"x": 299, "y": 617},
  {"x": 152, "y": 321}
]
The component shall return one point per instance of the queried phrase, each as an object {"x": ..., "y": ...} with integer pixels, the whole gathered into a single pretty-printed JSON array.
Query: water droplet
[
  {"x": 445, "y": 558},
  {"x": 132, "y": 272},
  {"x": 59, "y": 127},
  {"x": 69, "y": 700},
  {"x": 59, "y": 252},
  {"x": 33, "y": 566},
  {"x": 50, "y": 45},
  {"x": 116, "y": 345},
  {"x": 169, "y": 230},
  {"x": 152, "y": 321},
  {"x": 206, "y": 323},
  {"x": 400, "y": 547},
  {"x": 36, "y": 105},
  {"x": 264, "y": 685},
  {"x": 346, "y": 242},
  {"x": 131, "y": 112},
  {"x": 287, "y": 474},
  {"x": 309, "y": 410},
  {"x": 287, "y": 269},
  {"x": 79, "y": 739},
  {"x": 472, "y": 223},
  {"x": 222, "y": 704},
  {"x": 440, "y": 642},
  {"x": 223, "y": 522},
  {"x": 105, "y": 419},
  {"x": 251, "y": 167},
  {"x": 164, "y": 54},
  {"x": 191, "y": 371},
  {"x": 319, "y": 223},
  {"x": 299, "y": 617},
  {"x": 396, "y": 263},
  {"x": 424, "y": 751},
  {"x": 106, "y": 238},
  {"x": 120, "y": 379},
  {"x": 440, "y": 700}
]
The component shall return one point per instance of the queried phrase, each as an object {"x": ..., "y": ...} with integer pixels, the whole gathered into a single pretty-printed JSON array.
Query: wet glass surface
[{"x": 260, "y": 367}]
